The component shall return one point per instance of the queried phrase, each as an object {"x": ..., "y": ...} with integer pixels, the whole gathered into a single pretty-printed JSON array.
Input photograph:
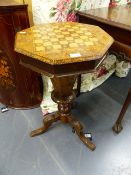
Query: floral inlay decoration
[{"x": 6, "y": 76}]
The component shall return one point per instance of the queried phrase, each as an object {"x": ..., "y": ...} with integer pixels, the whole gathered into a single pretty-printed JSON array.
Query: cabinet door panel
[{"x": 17, "y": 87}]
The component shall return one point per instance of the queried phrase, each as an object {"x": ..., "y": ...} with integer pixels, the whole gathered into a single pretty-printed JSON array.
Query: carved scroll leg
[
  {"x": 78, "y": 128},
  {"x": 118, "y": 124},
  {"x": 48, "y": 121}
]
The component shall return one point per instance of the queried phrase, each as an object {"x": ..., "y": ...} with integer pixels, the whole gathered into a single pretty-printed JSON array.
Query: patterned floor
[{"x": 59, "y": 151}]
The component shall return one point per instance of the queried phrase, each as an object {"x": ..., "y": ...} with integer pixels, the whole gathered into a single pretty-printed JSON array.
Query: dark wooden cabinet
[{"x": 19, "y": 87}]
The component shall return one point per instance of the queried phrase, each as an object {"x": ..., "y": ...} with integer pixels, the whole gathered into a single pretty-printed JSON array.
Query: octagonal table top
[{"x": 63, "y": 43}]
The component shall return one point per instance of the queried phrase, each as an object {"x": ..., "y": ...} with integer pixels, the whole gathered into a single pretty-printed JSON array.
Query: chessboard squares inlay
[
  {"x": 57, "y": 47},
  {"x": 45, "y": 37},
  {"x": 64, "y": 42},
  {"x": 83, "y": 37},
  {"x": 73, "y": 45},
  {"x": 69, "y": 38},
  {"x": 47, "y": 44},
  {"x": 66, "y": 33},
  {"x": 40, "y": 48},
  {"x": 37, "y": 35},
  {"x": 78, "y": 41},
  {"x": 39, "y": 41},
  {"x": 60, "y": 36},
  {"x": 54, "y": 39},
  {"x": 89, "y": 43}
]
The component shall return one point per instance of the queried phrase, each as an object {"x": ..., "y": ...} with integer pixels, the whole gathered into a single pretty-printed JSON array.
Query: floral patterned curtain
[
  {"x": 63, "y": 10},
  {"x": 119, "y": 2}
]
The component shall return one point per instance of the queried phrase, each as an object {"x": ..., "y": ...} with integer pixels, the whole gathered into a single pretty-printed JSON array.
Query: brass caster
[{"x": 117, "y": 128}]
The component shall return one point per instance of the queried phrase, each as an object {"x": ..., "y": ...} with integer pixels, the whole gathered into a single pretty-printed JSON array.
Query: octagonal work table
[{"x": 62, "y": 51}]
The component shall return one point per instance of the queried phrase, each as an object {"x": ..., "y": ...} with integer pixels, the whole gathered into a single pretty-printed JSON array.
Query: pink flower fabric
[
  {"x": 71, "y": 17},
  {"x": 119, "y": 2},
  {"x": 60, "y": 5},
  {"x": 65, "y": 10}
]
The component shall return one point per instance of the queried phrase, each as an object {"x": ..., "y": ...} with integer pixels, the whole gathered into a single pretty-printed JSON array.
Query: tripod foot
[
  {"x": 77, "y": 128},
  {"x": 48, "y": 121}
]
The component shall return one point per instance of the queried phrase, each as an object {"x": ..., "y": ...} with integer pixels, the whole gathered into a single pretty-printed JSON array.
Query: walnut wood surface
[
  {"x": 58, "y": 70},
  {"x": 118, "y": 124},
  {"x": 117, "y": 22},
  {"x": 17, "y": 87},
  {"x": 114, "y": 20},
  {"x": 63, "y": 73},
  {"x": 116, "y": 16},
  {"x": 64, "y": 96},
  {"x": 63, "y": 43}
]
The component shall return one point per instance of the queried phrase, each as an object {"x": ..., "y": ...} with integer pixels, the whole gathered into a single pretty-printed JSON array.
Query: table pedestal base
[
  {"x": 50, "y": 119},
  {"x": 64, "y": 95}
]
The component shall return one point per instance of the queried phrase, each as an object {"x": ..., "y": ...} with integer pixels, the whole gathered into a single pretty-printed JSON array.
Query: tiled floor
[{"x": 59, "y": 151}]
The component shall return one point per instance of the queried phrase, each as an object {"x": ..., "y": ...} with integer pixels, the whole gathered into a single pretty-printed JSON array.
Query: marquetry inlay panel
[
  {"x": 61, "y": 43},
  {"x": 7, "y": 79}
]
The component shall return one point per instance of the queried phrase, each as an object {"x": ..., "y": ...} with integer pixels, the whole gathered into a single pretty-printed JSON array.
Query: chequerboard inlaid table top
[{"x": 62, "y": 43}]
